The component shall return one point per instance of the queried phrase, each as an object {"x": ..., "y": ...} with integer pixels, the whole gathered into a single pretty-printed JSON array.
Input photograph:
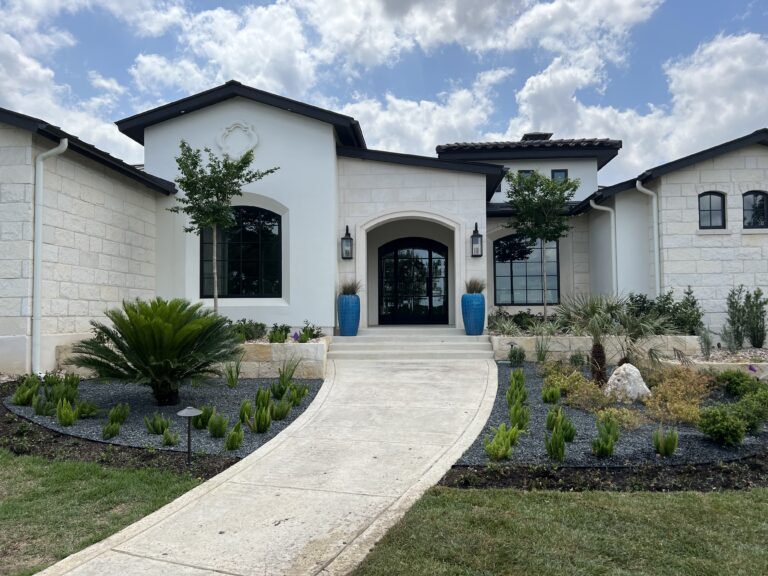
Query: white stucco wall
[
  {"x": 583, "y": 169},
  {"x": 600, "y": 267},
  {"x": 98, "y": 246},
  {"x": 713, "y": 261},
  {"x": 303, "y": 191},
  {"x": 372, "y": 194},
  {"x": 633, "y": 220}
]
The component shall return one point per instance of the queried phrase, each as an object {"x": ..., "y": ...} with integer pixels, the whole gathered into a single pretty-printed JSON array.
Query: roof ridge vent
[{"x": 536, "y": 136}]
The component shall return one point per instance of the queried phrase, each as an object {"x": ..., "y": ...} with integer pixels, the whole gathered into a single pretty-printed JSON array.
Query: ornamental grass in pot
[
  {"x": 348, "y": 305},
  {"x": 473, "y": 307}
]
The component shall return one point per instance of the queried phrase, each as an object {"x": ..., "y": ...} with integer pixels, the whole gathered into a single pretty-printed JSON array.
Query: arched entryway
[{"x": 413, "y": 282}]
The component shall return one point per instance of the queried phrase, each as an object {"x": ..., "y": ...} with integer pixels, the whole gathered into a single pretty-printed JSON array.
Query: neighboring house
[{"x": 108, "y": 236}]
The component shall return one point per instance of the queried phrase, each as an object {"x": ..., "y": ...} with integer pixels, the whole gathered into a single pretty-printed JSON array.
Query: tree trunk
[
  {"x": 544, "y": 275},
  {"x": 597, "y": 364},
  {"x": 215, "y": 271}
]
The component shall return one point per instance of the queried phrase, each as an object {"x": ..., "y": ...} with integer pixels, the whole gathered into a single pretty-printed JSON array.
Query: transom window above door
[
  {"x": 711, "y": 210},
  {"x": 249, "y": 256},
  {"x": 755, "y": 209}
]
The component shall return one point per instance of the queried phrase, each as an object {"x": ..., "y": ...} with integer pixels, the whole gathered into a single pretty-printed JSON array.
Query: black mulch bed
[
  {"x": 633, "y": 449},
  {"x": 134, "y": 433}
]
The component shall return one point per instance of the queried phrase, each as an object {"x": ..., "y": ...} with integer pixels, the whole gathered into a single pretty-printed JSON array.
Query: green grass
[
  {"x": 49, "y": 510},
  {"x": 508, "y": 532}
]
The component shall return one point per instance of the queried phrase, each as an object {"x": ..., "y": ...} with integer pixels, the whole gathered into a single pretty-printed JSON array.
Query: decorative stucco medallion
[{"x": 236, "y": 139}]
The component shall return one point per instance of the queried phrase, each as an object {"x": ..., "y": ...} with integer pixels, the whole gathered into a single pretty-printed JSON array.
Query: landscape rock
[{"x": 627, "y": 384}]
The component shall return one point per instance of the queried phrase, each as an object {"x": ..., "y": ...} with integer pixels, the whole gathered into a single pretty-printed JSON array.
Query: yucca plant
[
  {"x": 261, "y": 420},
  {"x": 665, "y": 441},
  {"x": 157, "y": 424},
  {"x": 297, "y": 392},
  {"x": 159, "y": 343},
  {"x": 217, "y": 425},
  {"x": 262, "y": 398},
  {"x": 65, "y": 414},
  {"x": 284, "y": 377},
  {"x": 234, "y": 439},
  {"x": 232, "y": 372}
]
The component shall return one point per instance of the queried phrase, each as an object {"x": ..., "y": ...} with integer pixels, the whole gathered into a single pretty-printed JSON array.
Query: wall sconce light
[
  {"x": 346, "y": 246},
  {"x": 477, "y": 243}
]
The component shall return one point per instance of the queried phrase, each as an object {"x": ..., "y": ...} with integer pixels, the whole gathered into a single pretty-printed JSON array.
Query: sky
[{"x": 666, "y": 77}]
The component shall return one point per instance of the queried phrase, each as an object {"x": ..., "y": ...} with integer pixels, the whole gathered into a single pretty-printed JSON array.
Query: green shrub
[
  {"x": 500, "y": 446},
  {"x": 261, "y": 421},
  {"x": 555, "y": 444},
  {"x": 170, "y": 438},
  {"x": 235, "y": 437},
  {"x": 554, "y": 415},
  {"x": 678, "y": 395},
  {"x": 119, "y": 414},
  {"x": 516, "y": 355},
  {"x": 232, "y": 372},
  {"x": 217, "y": 425},
  {"x": 723, "y": 425},
  {"x": 569, "y": 430},
  {"x": 200, "y": 422},
  {"x": 550, "y": 394},
  {"x": 517, "y": 393},
  {"x": 754, "y": 317},
  {"x": 65, "y": 414},
  {"x": 248, "y": 330},
  {"x": 43, "y": 407},
  {"x": 84, "y": 409},
  {"x": 278, "y": 334},
  {"x": 158, "y": 424},
  {"x": 310, "y": 332},
  {"x": 246, "y": 410},
  {"x": 282, "y": 408},
  {"x": 577, "y": 360},
  {"x": 737, "y": 383},
  {"x": 665, "y": 441},
  {"x": 110, "y": 430},
  {"x": 705, "y": 342},
  {"x": 734, "y": 328},
  {"x": 262, "y": 398},
  {"x": 26, "y": 390},
  {"x": 500, "y": 321},
  {"x": 519, "y": 416},
  {"x": 753, "y": 409},
  {"x": 284, "y": 377},
  {"x": 607, "y": 436},
  {"x": 159, "y": 343},
  {"x": 297, "y": 392}
]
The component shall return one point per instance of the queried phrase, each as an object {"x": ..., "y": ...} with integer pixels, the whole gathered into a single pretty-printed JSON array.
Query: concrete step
[
  {"x": 355, "y": 344},
  {"x": 422, "y": 354},
  {"x": 413, "y": 337},
  {"x": 409, "y": 330}
]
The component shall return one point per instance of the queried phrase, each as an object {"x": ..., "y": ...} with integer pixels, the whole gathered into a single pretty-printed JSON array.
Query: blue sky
[{"x": 666, "y": 77}]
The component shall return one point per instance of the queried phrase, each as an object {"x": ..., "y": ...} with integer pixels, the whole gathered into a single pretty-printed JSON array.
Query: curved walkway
[{"x": 317, "y": 497}]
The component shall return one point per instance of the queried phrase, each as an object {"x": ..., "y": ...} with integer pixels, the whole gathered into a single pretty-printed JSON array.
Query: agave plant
[{"x": 159, "y": 343}]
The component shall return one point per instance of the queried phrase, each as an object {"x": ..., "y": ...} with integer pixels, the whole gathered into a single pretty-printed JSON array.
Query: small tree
[
  {"x": 540, "y": 205},
  {"x": 208, "y": 192}
]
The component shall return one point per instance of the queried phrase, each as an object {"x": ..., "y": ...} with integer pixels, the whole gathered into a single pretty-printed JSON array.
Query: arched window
[
  {"x": 250, "y": 258},
  {"x": 755, "y": 209},
  {"x": 711, "y": 210},
  {"x": 519, "y": 281}
]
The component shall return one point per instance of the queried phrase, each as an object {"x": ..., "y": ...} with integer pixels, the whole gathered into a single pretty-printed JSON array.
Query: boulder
[{"x": 627, "y": 384}]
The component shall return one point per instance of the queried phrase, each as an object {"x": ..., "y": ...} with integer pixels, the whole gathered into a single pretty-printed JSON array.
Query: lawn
[
  {"x": 50, "y": 509},
  {"x": 508, "y": 532}
]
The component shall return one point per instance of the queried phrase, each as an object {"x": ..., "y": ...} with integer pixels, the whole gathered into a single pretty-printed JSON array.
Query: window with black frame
[
  {"x": 711, "y": 210},
  {"x": 519, "y": 281},
  {"x": 755, "y": 209},
  {"x": 249, "y": 256}
]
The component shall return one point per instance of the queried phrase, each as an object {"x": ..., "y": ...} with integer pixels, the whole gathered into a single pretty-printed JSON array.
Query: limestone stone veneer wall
[
  {"x": 260, "y": 360},
  {"x": 561, "y": 347}
]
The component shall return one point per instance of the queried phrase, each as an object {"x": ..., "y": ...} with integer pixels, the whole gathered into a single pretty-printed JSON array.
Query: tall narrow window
[
  {"x": 711, "y": 210},
  {"x": 559, "y": 175},
  {"x": 756, "y": 209},
  {"x": 249, "y": 256},
  {"x": 520, "y": 282}
]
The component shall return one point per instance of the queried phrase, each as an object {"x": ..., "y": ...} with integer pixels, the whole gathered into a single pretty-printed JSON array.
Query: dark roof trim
[
  {"x": 347, "y": 128},
  {"x": 54, "y": 133},
  {"x": 603, "y": 149},
  {"x": 493, "y": 172},
  {"x": 504, "y": 210}
]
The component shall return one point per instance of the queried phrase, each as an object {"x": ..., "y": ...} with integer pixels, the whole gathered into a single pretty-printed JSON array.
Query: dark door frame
[{"x": 426, "y": 244}]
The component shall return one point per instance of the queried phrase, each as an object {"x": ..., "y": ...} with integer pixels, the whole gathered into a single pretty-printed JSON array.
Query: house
[{"x": 105, "y": 233}]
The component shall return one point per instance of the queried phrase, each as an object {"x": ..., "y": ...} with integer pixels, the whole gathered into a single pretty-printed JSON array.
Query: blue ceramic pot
[
  {"x": 349, "y": 314},
  {"x": 473, "y": 313}
]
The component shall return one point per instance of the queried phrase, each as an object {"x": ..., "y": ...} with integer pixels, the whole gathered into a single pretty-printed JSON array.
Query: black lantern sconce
[
  {"x": 477, "y": 243},
  {"x": 346, "y": 246}
]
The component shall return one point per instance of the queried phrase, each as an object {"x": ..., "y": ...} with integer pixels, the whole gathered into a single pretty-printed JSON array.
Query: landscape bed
[{"x": 134, "y": 432}]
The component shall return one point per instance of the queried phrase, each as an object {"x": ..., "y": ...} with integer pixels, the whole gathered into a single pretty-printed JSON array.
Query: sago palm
[{"x": 158, "y": 343}]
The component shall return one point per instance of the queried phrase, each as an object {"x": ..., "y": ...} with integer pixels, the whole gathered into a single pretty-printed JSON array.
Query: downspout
[
  {"x": 614, "y": 259},
  {"x": 37, "y": 251},
  {"x": 655, "y": 210}
]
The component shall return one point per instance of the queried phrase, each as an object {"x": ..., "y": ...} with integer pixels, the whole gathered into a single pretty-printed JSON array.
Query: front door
[{"x": 413, "y": 282}]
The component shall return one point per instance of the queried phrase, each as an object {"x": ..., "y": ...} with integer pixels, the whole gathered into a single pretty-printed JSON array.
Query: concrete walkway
[{"x": 317, "y": 497}]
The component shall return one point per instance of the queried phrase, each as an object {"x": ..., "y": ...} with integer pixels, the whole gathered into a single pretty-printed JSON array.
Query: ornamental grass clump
[
  {"x": 158, "y": 343},
  {"x": 284, "y": 377},
  {"x": 607, "y": 436},
  {"x": 262, "y": 398},
  {"x": 723, "y": 425},
  {"x": 84, "y": 409},
  {"x": 157, "y": 424},
  {"x": 200, "y": 422},
  {"x": 556, "y": 417},
  {"x": 281, "y": 409},
  {"x": 550, "y": 394},
  {"x": 297, "y": 392},
  {"x": 65, "y": 414},
  {"x": 261, "y": 421},
  {"x": 26, "y": 390},
  {"x": 246, "y": 410},
  {"x": 110, "y": 430},
  {"x": 170, "y": 438},
  {"x": 500, "y": 446},
  {"x": 118, "y": 414},
  {"x": 519, "y": 416},
  {"x": 517, "y": 393},
  {"x": 217, "y": 425},
  {"x": 232, "y": 372},
  {"x": 555, "y": 443},
  {"x": 43, "y": 407},
  {"x": 665, "y": 441},
  {"x": 516, "y": 355},
  {"x": 235, "y": 437}
]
